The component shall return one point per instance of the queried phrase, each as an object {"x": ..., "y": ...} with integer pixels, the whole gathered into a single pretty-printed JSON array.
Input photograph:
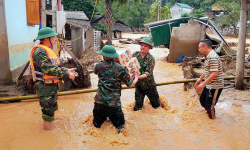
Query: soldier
[
  {"x": 212, "y": 87},
  {"x": 107, "y": 98},
  {"x": 146, "y": 84},
  {"x": 46, "y": 73}
]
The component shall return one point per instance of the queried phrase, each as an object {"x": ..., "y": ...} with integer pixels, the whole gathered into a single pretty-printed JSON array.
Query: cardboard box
[
  {"x": 124, "y": 57},
  {"x": 131, "y": 64},
  {"x": 133, "y": 67}
]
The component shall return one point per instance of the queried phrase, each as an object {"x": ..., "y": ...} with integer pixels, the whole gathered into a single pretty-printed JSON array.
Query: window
[
  {"x": 48, "y": 5},
  {"x": 49, "y": 21}
]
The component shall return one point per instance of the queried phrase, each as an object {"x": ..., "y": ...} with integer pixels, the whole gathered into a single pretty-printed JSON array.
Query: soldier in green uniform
[
  {"x": 43, "y": 66},
  {"x": 107, "y": 98},
  {"x": 146, "y": 84}
]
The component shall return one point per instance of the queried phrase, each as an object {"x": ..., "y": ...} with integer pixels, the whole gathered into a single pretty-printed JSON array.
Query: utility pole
[
  {"x": 240, "y": 63},
  {"x": 159, "y": 11}
]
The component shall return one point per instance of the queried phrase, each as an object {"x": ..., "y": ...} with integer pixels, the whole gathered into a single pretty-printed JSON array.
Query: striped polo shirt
[{"x": 213, "y": 63}]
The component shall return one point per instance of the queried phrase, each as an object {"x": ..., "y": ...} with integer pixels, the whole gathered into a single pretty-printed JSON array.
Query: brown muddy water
[{"x": 180, "y": 124}]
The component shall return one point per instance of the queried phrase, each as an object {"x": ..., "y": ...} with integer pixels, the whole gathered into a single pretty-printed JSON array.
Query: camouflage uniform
[
  {"x": 47, "y": 93},
  {"x": 107, "y": 98},
  {"x": 146, "y": 86}
]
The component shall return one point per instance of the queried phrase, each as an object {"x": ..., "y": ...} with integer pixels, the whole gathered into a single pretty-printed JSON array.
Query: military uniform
[
  {"x": 146, "y": 86},
  {"x": 47, "y": 93},
  {"x": 107, "y": 98}
]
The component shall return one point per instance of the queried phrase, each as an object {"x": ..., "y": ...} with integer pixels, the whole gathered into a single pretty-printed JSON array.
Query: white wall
[
  {"x": 177, "y": 11},
  {"x": 20, "y": 36}
]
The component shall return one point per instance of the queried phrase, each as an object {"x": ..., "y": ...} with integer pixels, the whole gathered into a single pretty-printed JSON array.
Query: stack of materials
[{"x": 131, "y": 64}]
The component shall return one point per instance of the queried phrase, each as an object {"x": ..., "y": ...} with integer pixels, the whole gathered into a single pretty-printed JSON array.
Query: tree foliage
[
  {"x": 185, "y": 15},
  {"x": 133, "y": 14},
  {"x": 198, "y": 13},
  {"x": 165, "y": 12},
  {"x": 101, "y": 27},
  {"x": 231, "y": 13},
  {"x": 80, "y": 5}
]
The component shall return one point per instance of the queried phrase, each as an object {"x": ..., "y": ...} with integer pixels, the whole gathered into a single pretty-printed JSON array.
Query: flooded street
[{"x": 181, "y": 123}]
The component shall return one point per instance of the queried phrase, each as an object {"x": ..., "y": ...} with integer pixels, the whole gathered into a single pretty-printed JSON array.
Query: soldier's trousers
[
  {"x": 152, "y": 95},
  {"x": 115, "y": 115},
  {"x": 48, "y": 106}
]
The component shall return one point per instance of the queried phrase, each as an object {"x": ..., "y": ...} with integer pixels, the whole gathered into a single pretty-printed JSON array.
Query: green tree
[
  {"x": 137, "y": 14},
  {"x": 231, "y": 13},
  {"x": 133, "y": 14},
  {"x": 165, "y": 12},
  {"x": 198, "y": 13},
  {"x": 109, "y": 19},
  {"x": 163, "y": 3},
  {"x": 80, "y": 5},
  {"x": 101, "y": 27},
  {"x": 185, "y": 15}
]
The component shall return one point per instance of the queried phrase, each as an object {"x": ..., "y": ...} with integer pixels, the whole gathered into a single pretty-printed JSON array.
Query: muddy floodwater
[{"x": 180, "y": 124}]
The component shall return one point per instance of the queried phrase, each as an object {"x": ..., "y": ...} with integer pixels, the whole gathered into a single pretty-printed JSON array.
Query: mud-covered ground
[{"x": 180, "y": 124}]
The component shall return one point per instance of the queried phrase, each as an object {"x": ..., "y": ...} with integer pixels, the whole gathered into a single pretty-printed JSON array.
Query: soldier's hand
[
  {"x": 72, "y": 75},
  {"x": 136, "y": 78},
  {"x": 72, "y": 69},
  {"x": 134, "y": 81}
]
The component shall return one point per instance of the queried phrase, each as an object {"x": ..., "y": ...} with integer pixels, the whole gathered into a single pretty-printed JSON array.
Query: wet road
[{"x": 180, "y": 124}]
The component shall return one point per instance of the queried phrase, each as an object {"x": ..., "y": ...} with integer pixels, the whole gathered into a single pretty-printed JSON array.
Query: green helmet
[
  {"x": 45, "y": 33},
  {"x": 109, "y": 51},
  {"x": 147, "y": 41}
]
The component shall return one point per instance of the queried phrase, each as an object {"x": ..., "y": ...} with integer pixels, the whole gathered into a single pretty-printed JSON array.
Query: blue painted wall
[{"x": 20, "y": 35}]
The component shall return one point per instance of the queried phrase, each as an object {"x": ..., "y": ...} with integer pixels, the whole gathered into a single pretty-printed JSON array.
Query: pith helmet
[
  {"x": 147, "y": 41},
  {"x": 45, "y": 33},
  {"x": 109, "y": 51}
]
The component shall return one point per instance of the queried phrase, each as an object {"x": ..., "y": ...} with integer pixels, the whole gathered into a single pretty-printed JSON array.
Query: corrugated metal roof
[
  {"x": 77, "y": 19},
  {"x": 121, "y": 27},
  {"x": 184, "y": 5},
  {"x": 76, "y": 15},
  {"x": 162, "y": 33},
  {"x": 79, "y": 23},
  {"x": 118, "y": 25},
  {"x": 162, "y": 22},
  {"x": 97, "y": 17}
]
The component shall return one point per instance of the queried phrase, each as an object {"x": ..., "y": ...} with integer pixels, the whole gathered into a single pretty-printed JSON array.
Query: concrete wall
[
  {"x": 185, "y": 39},
  {"x": 89, "y": 38},
  {"x": 77, "y": 45},
  {"x": 20, "y": 36},
  {"x": 119, "y": 34},
  {"x": 175, "y": 11},
  {"x": 5, "y": 73},
  {"x": 49, "y": 12}
]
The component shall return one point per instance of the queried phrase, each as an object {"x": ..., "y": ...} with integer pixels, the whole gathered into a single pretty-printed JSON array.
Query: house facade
[
  {"x": 178, "y": 9},
  {"x": 20, "y": 21},
  {"x": 76, "y": 24},
  {"x": 16, "y": 37}
]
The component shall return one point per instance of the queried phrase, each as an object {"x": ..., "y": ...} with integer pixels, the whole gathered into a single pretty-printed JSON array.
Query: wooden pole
[
  {"x": 241, "y": 46},
  {"x": 159, "y": 11},
  {"x": 24, "y": 69},
  {"x": 18, "y": 98}
]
